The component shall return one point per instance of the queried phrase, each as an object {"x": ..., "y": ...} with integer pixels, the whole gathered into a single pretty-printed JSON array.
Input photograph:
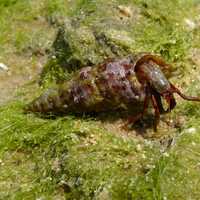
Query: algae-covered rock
[
  {"x": 90, "y": 36},
  {"x": 91, "y": 31}
]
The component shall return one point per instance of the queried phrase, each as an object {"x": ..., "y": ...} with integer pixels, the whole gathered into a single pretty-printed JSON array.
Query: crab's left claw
[{"x": 169, "y": 97}]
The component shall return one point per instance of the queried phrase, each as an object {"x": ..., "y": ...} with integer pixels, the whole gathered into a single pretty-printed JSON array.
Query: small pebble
[
  {"x": 165, "y": 154},
  {"x": 56, "y": 165},
  {"x": 3, "y": 67},
  {"x": 143, "y": 156},
  {"x": 191, "y": 130},
  {"x": 124, "y": 10},
  {"x": 40, "y": 198},
  {"x": 190, "y": 24},
  {"x": 193, "y": 144},
  {"x": 138, "y": 147}
]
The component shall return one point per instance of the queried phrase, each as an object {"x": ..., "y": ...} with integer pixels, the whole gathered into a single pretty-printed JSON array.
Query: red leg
[
  {"x": 133, "y": 119},
  {"x": 158, "y": 100},
  {"x": 157, "y": 112}
]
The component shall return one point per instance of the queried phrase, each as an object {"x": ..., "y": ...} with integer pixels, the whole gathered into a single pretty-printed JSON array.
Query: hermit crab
[{"x": 115, "y": 83}]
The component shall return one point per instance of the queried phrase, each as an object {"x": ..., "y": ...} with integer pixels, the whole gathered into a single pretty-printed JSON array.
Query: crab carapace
[{"x": 115, "y": 83}]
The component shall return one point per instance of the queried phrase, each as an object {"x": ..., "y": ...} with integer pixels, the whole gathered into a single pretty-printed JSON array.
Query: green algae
[
  {"x": 93, "y": 31},
  {"x": 76, "y": 157}
]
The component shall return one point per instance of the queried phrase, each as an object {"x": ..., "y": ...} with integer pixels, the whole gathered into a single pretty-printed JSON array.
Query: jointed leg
[
  {"x": 157, "y": 112},
  {"x": 158, "y": 101},
  {"x": 189, "y": 98},
  {"x": 133, "y": 119}
]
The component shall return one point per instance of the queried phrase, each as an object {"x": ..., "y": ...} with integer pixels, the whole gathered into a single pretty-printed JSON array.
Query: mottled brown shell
[{"x": 106, "y": 86}]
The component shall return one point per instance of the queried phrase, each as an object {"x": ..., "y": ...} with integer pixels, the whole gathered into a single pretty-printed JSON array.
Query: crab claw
[{"x": 169, "y": 97}]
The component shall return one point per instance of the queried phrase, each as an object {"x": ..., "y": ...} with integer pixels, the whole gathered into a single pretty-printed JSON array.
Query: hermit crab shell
[{"x": 109, "y": 85}]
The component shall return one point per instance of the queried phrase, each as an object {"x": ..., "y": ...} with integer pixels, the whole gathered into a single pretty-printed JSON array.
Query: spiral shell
[{"x": 107, "y": 86}]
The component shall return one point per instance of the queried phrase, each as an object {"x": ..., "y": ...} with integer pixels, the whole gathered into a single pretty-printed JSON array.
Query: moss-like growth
[
  {"x": 93, "y": 31},
  {"x": 88, "y": 37},
  {"x": 81, "y": 157}
]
